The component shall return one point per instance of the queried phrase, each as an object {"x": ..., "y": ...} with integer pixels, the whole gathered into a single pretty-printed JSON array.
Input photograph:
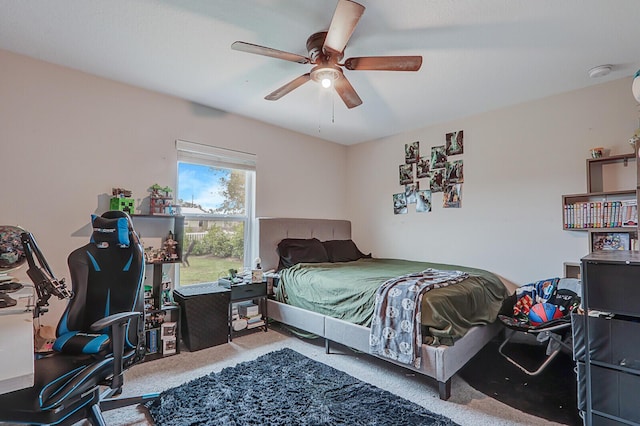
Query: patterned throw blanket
[{"x": 396, "y": 331}]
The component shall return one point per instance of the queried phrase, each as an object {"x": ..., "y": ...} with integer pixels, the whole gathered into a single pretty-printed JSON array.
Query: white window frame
[{"x": 196, "y": 153}]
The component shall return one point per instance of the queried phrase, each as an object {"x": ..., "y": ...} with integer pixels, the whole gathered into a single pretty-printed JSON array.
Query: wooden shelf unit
[
  {"x": 597, "y": 194},
  {"x": 159, "y": 226},
  {"x": 595, "y": 170}
]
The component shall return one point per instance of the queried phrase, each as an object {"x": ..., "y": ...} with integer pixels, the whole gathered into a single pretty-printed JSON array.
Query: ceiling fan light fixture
[
  {"x": 325, "y": 75},
  {"x": 326, "y": 50}
]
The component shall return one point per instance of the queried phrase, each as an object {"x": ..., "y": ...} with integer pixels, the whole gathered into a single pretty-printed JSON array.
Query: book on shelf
[
  {"x": 629, "y": 213},
  {"x": 255, "y": 324},
  {"x": 605, "y": 214},
  {"x": 243, "y": 322},
  {"x": 152, "y": 341},
  {"x": 615, "y": 210},
  {"x": 248, "y": 309},
  {"x": 254, "y": 319}
]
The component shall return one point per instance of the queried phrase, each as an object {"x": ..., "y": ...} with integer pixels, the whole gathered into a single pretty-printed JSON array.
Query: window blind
[{"x": 219, "y": 157}]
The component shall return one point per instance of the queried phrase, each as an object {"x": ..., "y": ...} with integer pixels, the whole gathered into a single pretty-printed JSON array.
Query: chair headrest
[{"x": 110, "y": 229}]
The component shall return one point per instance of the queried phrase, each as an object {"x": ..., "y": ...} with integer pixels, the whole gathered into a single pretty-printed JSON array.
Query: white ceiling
[{"x": 478, "y": 55}]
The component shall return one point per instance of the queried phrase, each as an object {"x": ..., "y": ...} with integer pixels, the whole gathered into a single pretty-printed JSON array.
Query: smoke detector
[{"x": 600, "y": 71}]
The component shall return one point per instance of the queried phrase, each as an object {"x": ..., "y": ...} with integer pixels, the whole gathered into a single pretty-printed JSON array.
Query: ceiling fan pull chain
[{"x": 333, "y": 107}]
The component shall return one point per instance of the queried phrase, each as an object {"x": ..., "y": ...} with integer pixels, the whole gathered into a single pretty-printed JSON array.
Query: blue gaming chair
[{"x": 100, "y": 334}]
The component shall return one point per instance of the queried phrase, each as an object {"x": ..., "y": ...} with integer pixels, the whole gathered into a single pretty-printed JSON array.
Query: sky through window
[{"x": 200, "y": 185}]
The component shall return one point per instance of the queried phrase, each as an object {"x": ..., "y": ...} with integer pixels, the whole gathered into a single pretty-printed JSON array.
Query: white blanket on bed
[{"x": 396, "y": 331}]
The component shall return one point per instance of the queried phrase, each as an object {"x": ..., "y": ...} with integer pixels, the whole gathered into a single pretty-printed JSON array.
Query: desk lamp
[{"x": 18, "y": 246}]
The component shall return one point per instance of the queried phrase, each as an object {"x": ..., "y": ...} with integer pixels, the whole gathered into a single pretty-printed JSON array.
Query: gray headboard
[{"x": 271, "y": 230}]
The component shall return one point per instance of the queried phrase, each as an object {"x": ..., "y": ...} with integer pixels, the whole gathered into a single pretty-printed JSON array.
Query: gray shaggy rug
[{"x": 285, "y": 388}]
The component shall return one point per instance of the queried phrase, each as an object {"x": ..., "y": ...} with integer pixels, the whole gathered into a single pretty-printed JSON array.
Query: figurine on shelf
[
  {"x": 152, "y": 255},
  {"x": 171, "y": 248},
  {"x": 160, "y": 200},
  {"x": 121, "y": 200},
  {"x": 167, "y": 291},
  {"x": 155, "y": 190},
  {"x": 149, "y": 305},
  {"x": 148, "y": 254},
  {"x": 121, "y": 192},
  {"x": 154, "y": 320}
]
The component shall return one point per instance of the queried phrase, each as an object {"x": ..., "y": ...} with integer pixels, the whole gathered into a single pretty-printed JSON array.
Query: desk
[{"x": 16, "y": 343}]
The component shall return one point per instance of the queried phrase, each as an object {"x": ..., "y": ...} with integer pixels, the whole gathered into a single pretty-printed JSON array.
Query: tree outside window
[{"x": 213, "y": 201}]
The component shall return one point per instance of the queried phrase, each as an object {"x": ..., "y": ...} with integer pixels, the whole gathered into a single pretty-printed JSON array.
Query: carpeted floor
[
  {"x": 552, "y": 394},
  {"x": 467, "y": 406},
  {"x": 286, "y": 388}
]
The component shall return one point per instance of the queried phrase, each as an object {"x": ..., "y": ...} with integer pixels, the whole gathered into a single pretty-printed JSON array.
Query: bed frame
[{"x": 438, "y": 362}]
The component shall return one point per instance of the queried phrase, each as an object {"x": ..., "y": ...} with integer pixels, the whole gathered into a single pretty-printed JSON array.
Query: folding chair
[{"x": 557, "y": 332}]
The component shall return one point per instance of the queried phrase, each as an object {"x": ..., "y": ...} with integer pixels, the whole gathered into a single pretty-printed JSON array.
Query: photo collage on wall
[{"x": 435, "y": 171}]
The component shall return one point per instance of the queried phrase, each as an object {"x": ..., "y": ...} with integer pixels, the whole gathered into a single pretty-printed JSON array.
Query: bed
[{"x": 438, "y": 361}]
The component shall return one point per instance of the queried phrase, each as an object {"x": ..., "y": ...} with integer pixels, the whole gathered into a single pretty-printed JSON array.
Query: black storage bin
[
  {"x": 613, "y": 392},
  {"x": 613, "y": 287},
  {"x": 612, "y": 340},
  {"x": 205, "y": 313}
]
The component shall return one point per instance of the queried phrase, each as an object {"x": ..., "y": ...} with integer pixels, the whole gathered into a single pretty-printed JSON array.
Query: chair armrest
[
  {"x": 117, "y": 322},
  {"x": 120, "y": 318}
]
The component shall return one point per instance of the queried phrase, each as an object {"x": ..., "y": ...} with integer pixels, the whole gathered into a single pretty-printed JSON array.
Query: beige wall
[
  {"x": 67, "y": 138},
  {"x": 517, "y": 164}
]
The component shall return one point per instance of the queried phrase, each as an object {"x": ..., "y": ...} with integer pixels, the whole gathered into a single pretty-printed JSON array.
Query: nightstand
[{"x": 248, "y": 308}]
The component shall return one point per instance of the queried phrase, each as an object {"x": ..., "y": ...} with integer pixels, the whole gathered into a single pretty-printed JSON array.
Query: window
[{"x": 216, "y": 196}]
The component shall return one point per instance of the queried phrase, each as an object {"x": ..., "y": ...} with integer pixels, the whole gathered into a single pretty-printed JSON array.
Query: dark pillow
[
  {"x": 297, "y": 250},
  {"x": 343, "y": 251},
  {"x": 110, "y": 231}
]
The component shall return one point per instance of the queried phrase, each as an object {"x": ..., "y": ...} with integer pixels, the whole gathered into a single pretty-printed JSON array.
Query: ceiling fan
[{"x": 326, "y": 50}]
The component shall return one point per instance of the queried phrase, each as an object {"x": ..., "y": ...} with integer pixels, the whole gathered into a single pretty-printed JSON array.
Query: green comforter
[{"x": 347, "y": 291}]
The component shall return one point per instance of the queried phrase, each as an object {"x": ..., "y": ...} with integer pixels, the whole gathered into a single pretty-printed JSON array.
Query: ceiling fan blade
[
  {"x": 290, "y": 86},
  {"x": 267, "y": 51},
  {"x": 347, "y": 92},
  {"x": 344, "y": 21},
  {"x": 384, "y": 63}
]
